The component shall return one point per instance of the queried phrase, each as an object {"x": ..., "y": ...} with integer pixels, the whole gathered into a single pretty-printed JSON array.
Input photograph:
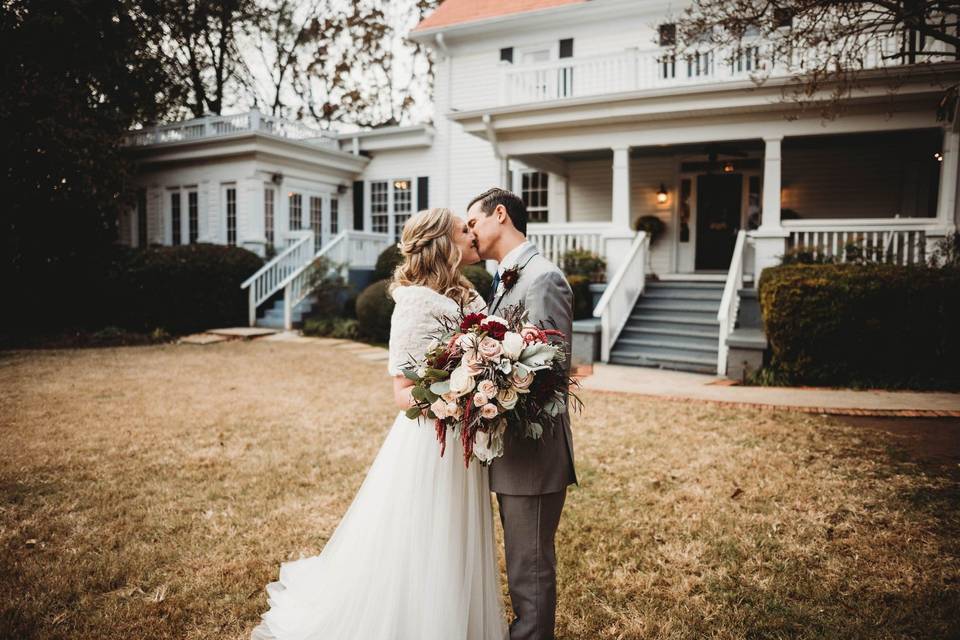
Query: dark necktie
[{"x": 493, "y": 288}]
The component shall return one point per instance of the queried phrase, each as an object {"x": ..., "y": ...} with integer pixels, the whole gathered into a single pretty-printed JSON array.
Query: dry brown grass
[{"x": 163, "y": 486}]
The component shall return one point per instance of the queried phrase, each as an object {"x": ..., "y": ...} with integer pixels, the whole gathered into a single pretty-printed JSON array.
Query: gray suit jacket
[{"x": 535, "y": 467}]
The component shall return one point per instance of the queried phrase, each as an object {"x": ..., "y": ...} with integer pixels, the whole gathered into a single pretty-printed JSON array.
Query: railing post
[
  {"x": 252, "y": 305},
  {"x": 287, "y": 308}
]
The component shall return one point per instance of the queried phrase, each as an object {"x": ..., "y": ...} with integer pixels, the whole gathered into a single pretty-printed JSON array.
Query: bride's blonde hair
[{"x": 430, "y": 256}]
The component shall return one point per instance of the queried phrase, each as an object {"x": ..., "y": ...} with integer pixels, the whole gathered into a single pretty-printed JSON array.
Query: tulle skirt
[{"x": 412, "y": 558}]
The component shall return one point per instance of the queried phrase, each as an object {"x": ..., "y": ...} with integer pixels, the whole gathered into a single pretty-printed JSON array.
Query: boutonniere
[{"x": 509, "y": 279}]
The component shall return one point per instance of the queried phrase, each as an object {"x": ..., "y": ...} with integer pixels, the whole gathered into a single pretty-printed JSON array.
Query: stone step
[
  {"x": 673, "y": 304},
  {"x": 666, "y": 347},
  {"x": 685, "y": 340},
  {"x": 701, "y": 331},
  {"x": 677, "y": 360},
  {"x": 674, "y": 315},
  {"x": 713, "y": 295}
]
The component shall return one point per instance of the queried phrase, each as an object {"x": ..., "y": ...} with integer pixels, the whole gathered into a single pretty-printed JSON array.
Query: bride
[{"x": 413, "y": 557}]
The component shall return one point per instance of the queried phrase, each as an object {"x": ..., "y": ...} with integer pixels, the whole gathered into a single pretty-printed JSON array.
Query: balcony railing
[
  {"x": 215, "y": 126},
  {"x": 635, "y": 69}
]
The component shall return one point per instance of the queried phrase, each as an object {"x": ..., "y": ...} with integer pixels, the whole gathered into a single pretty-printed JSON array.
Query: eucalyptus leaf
[
  {"x": 537, "y": 356},
  {"x": 410, "y": 374},
  {"x": 439, "y": 374},
  {"x": 419, "y": 393},
  {"x": 440, "y": 388},
  {"x": 413, "y": 412}
]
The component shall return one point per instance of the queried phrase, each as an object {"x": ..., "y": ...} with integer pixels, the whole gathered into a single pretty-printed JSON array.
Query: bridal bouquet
[{"x": 484, "y": 375}]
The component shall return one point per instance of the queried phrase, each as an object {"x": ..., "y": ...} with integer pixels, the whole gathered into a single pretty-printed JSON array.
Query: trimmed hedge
[
  {"x": 863, "y": 325},
  {"x": 186, "y": 288},
  {"x": 374, "y": 308},
  {"x": 480, "y": 278},
  {"x": 387, "y": 261},
  {"x": 582, "y": 298}
]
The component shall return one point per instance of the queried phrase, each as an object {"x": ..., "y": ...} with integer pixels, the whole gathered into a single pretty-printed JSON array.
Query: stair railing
[
  {"x": 730, "y": 302},
  {"x": 621, "y": 295},
  {"x": 349, "y": 248},
  {"x": 269, "y": 278}
]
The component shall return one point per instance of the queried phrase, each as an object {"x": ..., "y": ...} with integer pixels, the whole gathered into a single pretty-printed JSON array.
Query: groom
[{"x": 532, "y": 476}]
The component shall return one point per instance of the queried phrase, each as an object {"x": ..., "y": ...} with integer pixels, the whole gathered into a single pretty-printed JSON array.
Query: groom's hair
[{"x": 490, "y": 198}]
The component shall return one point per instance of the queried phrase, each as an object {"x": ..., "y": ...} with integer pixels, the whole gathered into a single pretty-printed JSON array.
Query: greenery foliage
[
  {"x": 387, "y": 261},
  {"x": 863, "y": 325},
  {"x": 480, "y": 278},
  {"x": 653, "y": 225},
  {"x": 582, "y": 298},
  {"x": 330, "y": 291},
  {"x": 185, "y": 288},
  {"x": 343, "y": 328},
  {"x": 580, "y": 262},
  {"x": 946, "y": 252},
  {"x": 374, "y": 308}
]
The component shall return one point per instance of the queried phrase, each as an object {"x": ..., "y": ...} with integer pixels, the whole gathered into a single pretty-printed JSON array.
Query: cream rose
[
  {"x": 531, "y": 333},
  {"x": 508, "y": 398},
  {"x": 489, "y": 411},
  {"x": 467, "y": 342},
  {"x": 439, "y": 408},
  {"x": 513, "y": 344},
  {"x": 521, "y": 379},
  {"x": 453, "y": 410},
  {"x": 490, "y": 349},
  {"x": 461, "y": 383},
  {"x": 479, "y": 399},
  {"x": 487, "y": 388}
]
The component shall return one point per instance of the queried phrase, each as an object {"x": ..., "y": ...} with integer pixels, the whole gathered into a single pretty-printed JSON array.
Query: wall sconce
[
  {"x": 662, "y": 194},
  {"x": 728, "y": 167},
  {"x": 401, "y": 185},
  {"x": 938, "y": 156}
]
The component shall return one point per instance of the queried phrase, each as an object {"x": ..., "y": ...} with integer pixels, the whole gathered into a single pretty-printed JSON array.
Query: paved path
[{"x": 692, "y": 386}]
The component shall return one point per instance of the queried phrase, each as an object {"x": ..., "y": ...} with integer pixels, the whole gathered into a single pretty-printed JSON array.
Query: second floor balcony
[{"x": 638, "y": 69}]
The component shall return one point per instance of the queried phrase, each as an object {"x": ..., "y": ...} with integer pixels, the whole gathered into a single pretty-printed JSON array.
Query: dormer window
[
  {"x": 506, "y": 55},
  {"x": 668, "y": 34},
  {"x": 782, "y": 17}
]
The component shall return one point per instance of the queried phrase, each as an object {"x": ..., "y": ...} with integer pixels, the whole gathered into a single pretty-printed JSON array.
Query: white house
[{"x": 575, "y": 106}]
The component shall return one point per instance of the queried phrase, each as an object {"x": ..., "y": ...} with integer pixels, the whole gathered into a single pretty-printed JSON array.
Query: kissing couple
[{"x": 413, "y": 557}]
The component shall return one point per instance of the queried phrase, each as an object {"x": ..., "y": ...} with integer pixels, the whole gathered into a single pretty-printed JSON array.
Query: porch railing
[
  {"x": 349, "y": 248},
  {"x": 896, "y": 241},
  {"x": 214, "y": 126},
  {"x": 730, "y": 302},
  {"x": 637, "y": 69},
  {"x": 619, "y": 298},
  {"x": 554, "y": 240},
  {"x": 272, "y": 276}
]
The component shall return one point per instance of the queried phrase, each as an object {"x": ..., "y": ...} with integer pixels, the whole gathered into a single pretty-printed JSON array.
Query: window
[
  {"x": 506, "y": 54},
  {"x": 231, "y": 200},
  {"x": 296, "y": 211},
  {"x": 268, "y": 195},
  {"x": 668, "y": 35},
  {"x": 193, "y": 215},
  {"x": 533, "y": 191},
  {"x": 334, "y": 216},
  {"x": 379, "y": 207},
  {"x": 746, "y": 59},
  {"x": 402, "y": 205},
  {"x": 700, "y": 64},
  {"x": 783, "y": 17},
  {"x": 141, "y": 217},
  {"x": 175, "y": 222},
  {"x": 316, "y": 221}
]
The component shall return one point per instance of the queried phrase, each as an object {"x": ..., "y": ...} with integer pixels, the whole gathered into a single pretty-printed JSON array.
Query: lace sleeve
[{"x": 411, "y": 324}]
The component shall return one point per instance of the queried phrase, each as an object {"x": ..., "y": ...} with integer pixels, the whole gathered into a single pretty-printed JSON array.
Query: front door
[{"x": 719, "y": 198}]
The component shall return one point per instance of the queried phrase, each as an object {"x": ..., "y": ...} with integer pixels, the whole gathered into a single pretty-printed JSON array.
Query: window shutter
[
  {"x": 358, "y": 205},
  {"x": 506, "y": 54},
  {"x": 423, "y": 193},
  {"x": 566, "y": 48}
]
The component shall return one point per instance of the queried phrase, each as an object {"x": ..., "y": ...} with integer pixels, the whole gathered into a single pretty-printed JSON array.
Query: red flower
[
  {"x": 472, "y": 319},
  {"x": 510, "y": 277},
  {"x": 495, "y": 330}
]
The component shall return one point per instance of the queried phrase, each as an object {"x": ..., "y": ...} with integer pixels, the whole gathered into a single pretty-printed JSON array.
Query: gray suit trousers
[{"x": 529, "y": 527}]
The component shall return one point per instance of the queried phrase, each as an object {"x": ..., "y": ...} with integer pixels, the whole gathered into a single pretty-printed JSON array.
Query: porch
[{"x": 729, "y": 209}]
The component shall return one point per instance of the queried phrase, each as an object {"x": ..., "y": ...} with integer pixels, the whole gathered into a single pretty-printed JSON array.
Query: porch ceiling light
[
  {"x": 728, "y": 167},
  {"x": 938, "y": 156},
  {"x": 662, "y": 194}
]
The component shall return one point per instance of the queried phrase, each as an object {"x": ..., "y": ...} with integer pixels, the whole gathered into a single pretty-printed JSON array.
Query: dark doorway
[{"x": 718, "y": 219}]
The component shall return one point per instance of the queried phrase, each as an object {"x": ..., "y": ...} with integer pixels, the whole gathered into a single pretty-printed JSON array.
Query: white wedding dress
[{"x": 413, "y": 556}]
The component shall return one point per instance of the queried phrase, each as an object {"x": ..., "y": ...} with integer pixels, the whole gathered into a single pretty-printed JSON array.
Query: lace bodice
[{"x": 413, "y": 321}]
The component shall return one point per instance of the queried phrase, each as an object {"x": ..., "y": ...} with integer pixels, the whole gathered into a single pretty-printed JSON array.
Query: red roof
[{"x": 452, "y": 12}]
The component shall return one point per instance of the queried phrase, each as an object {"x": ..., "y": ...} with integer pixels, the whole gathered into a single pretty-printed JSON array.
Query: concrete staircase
[
  {"x": 673, "y": 326},
  {"x": 273, "y": 315}
]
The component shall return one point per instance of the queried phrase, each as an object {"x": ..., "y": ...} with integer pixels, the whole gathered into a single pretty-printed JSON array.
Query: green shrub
[
  {"x": 344, "y": 328},
  {"x": 580, "y": 262},
  {"x": 374, "y": 308},
  {"x": 946, "y": 252},
  {"x": 653, "y": 225},
  {"x": 186, "y": 288},
  {"x": 387, "y": 261},
  {"x": 582, "y": 298},
  {"x": 330, "y": 289},
  {"x": 480, "y": 278},
  {"x": 863, "y": 325}
]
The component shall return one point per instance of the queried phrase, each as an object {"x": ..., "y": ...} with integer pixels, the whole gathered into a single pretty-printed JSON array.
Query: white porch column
[
  {"x": 621, "y": 188},
  {"x": 769, "y": 239},
  {"x": 949, "y": 166},
  {"x": 618, "y": 241}
]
